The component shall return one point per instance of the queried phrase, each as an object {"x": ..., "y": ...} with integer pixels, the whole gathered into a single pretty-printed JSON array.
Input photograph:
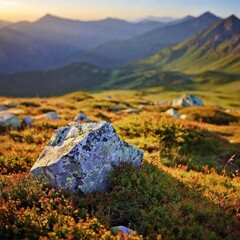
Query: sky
[{"x": 16, "y": 10}]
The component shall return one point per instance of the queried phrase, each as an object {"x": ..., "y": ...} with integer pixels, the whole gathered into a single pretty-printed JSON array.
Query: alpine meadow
[{"x": 127, "y": 127}]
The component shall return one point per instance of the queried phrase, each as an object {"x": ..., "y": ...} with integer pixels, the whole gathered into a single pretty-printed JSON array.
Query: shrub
[{"x": 209, "y": 115}]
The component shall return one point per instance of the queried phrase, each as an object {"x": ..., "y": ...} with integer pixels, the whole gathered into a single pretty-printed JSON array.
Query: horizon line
[{"x": 113, "y": 17}]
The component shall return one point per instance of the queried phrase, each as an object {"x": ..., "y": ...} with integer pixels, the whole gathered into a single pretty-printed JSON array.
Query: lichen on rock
[{"x": 79, "y": 157}]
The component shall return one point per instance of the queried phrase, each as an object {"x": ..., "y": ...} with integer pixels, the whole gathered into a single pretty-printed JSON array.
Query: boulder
[
  {"x": 187, "y": 100},
  {"x": 80, "y": 156},
  {"x": 81, "y": 117},
  {"x": 9, "y": 120},
  {"x": 173, "y": 113},
  {"x": 51, "y": 115},
  {"x": 2, "y": 108}
]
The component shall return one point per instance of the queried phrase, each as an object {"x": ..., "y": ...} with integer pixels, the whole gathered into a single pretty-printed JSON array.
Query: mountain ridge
[
  {"x": 153, "y": 41},
  {"x": 217, "y": 47}
]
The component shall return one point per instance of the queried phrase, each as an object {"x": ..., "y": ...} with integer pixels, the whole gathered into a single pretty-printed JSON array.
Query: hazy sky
[{"x": 14, "y": 10}]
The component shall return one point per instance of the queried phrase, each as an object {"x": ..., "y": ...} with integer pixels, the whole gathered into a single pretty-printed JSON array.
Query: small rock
[
  {"x": 116, "y": 108},
  {"x": 173, "y": 113},
  {"x": 80, "y": 156},
  {"x": 81, "y": 117},
  {"x": 131, "y": 111},
  {"x": 141, "y": 107},
  {"x": 28, "y": 121},
  {"x": 121, "y": 230},
  {"x": 10, "y": 104},
  {"x": 183, "y": 116},
  {"x": 119, "y": 107},
  {"x": 187, "y": 100},
  {"x": 51, "y": 115},
  {"x": 162, "y": 103},
  {"x": 2, "y": 108},
  {"x": 10, "y": 120}
]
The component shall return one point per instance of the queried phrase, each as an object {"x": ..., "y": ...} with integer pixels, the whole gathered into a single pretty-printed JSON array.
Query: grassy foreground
[{"x": 187, "y": 188}]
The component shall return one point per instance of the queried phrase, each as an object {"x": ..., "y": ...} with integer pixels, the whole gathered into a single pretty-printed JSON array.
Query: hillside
[
  {"x": 187, "y": 187},
  {"x": 151, "y": 42},
  {"x": 216, "y": 48},
  {"x": 53, "y": 82}
]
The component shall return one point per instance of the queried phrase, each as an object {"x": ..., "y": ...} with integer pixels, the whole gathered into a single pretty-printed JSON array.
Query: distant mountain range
[
  {"x": 147, "y": 44},
  {"x": 53, "y": 42},
  {"x": 205, "y": 55},
  {"x": 158, "y": 19}
]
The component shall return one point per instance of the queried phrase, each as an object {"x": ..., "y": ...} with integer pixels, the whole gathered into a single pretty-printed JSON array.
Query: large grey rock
[
  {"x": 80, "y": 156},
  {"x": 9, "y": 120},
  {"x": 187, "y": 100},
  {"x": 173, "y": 113}
]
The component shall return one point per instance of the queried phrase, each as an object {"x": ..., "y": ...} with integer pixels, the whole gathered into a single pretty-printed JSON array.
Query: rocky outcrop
[
  {"x": 80, "y": 156},
  {"x": 8, "y": 119},
  {"x": 187, "y": 100}
]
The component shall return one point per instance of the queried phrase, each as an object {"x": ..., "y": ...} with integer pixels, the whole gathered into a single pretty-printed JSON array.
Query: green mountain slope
[{"x": 216, "y": 48}]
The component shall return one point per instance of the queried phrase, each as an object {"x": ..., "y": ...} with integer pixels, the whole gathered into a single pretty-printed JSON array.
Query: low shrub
[{"x": 209, "y": 115}]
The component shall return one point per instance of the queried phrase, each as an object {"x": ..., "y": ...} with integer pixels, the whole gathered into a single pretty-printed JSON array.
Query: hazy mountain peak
[
  {"x": 208, "y": 15},
  {"x": 112, "y": 20},
  {"x": 233, "y": 18},
  {"x": 161, "y": 19},
  {"x": 49, "y": 18}
]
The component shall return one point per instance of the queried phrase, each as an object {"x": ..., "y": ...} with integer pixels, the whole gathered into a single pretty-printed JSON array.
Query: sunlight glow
[{"x": 15, "y": 10}]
